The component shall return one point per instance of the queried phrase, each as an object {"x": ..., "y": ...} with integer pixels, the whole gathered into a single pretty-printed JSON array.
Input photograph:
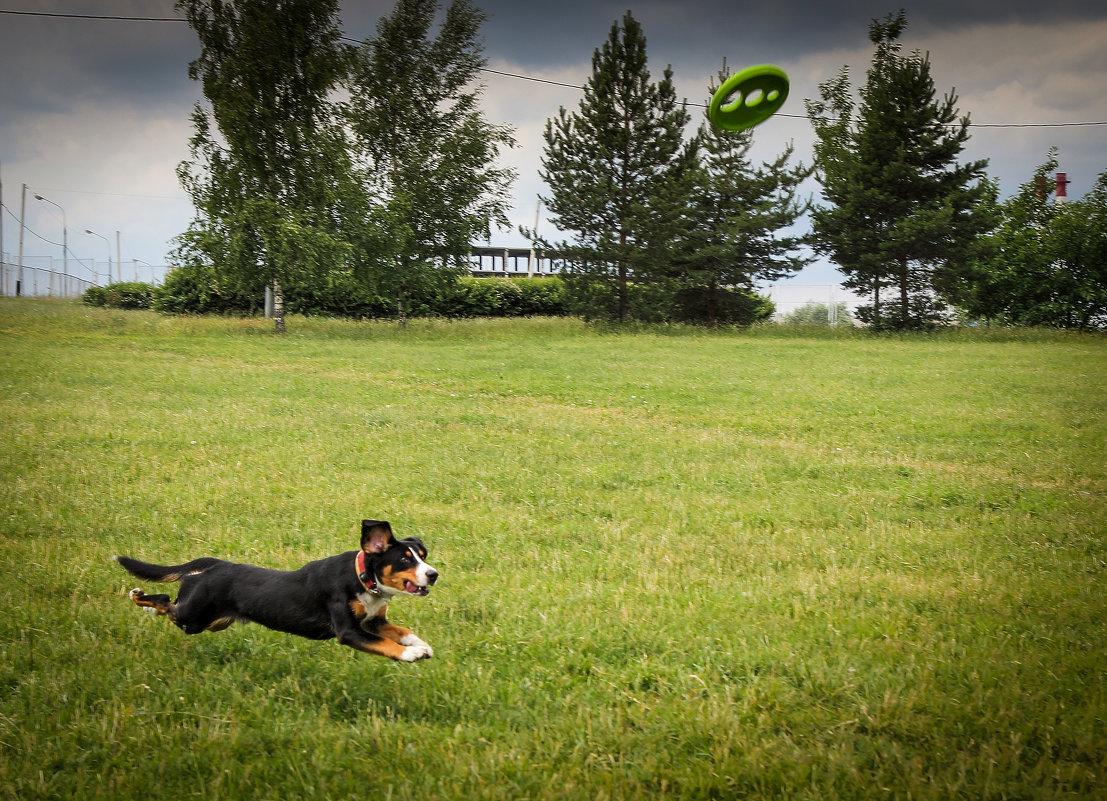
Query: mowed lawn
[{"x": 674, "y": 563}]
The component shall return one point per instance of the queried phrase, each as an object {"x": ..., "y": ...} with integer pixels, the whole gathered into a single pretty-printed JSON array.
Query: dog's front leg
[
  {"x": 404, "y": 649},
  {"x": 382, "y": 647},
  {"x": 402, "y": 636},
  {"x": 379, "y": 625}
]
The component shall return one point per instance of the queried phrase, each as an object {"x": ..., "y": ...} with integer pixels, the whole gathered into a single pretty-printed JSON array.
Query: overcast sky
[{"x": 94, "y": 114}]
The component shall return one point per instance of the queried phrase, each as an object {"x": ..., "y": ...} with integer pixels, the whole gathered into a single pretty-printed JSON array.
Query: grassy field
[{"x": 675, "y": 564}]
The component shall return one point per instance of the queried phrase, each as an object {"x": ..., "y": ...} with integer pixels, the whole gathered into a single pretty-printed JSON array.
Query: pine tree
[
  {"x": 736, "y": 211},
  {"x": 618, "y": 172},
  {"x": 901, "y": 207}
]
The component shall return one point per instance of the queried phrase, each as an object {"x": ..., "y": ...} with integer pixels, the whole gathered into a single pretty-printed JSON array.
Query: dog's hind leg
[
  {"x": 158, "y": 604},
  {"x": 190, "y": 621}
]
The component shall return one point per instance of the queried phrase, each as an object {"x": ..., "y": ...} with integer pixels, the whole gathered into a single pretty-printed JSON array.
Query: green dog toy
[{"x": 748, "y": 98}]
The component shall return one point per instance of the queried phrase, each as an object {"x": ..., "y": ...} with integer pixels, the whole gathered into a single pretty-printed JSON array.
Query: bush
[
  {"x": 501, "y": 297},
  {"x": 812, "y": 313},
  {"x": 95, "y": 296},
  {"x": 338, "y": 294},
  {"x": 725, "y": 306},
  {"x": 542, "y": 297},
  {"x": 121, "y": 295},
  {"x": 130, "y": 295},
  {"x": 198, "y": 289}
]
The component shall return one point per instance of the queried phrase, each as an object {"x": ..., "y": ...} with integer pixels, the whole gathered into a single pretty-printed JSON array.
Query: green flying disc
[{"x": 748, "y": 98}]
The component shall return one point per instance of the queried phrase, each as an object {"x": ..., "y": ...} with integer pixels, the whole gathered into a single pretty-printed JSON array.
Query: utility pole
[
  {"x": 22, "y": 218},
  {"x": 106, "y": 242},
  {"x": 2, "y": 271},
  {"x": 534, "y": 238},
  {"x": 65, "y": 246}
]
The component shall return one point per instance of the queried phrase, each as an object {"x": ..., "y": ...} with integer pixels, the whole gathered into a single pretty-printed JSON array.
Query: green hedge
[
  {"x": 121, "y": 295},
  {"x": 197, "y": 289},
  {"x": 502, "y": 297}
]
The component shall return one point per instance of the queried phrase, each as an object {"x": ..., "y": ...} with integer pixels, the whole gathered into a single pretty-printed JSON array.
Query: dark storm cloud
[
  {"x": 95, "y": 113},
  {"x": 58, "y": 59},
  {"x": 561, "y": 33}
]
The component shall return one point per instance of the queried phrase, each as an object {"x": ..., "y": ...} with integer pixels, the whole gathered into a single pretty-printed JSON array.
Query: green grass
[{"x": 675, "y": 563}]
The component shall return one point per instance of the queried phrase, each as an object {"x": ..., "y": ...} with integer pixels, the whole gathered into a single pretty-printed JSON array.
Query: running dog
[{"x": 343, "y": 597}]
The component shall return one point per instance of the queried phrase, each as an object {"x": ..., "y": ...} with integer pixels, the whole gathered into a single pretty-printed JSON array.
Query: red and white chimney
[{"x": 1062, "y": 187}]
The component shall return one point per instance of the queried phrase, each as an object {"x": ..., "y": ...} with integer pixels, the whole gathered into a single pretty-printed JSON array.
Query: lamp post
[
  {"x": 65, "y": 246},
  {"x": 148, "y": 264},
  {"x": 106, "y": 242}
]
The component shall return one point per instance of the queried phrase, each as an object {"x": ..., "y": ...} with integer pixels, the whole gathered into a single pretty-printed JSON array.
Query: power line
[
  {"x": 106, "y": 17},
  {"x": 28, "y": 229},
  {"x": 111, "y": 18},
  {"x": 531, "y": 78},
  {"x": 111, "y": 194},
  {"x": 804, "y": 117}
]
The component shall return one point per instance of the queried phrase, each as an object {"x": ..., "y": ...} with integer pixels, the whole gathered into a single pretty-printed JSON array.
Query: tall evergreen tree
[
  {"x": 736, "y": 211},
  {"x": 901, "y": 207},
  {"x": 429, "y": 153},
  {"x": 272, "y": 183},
  {"x": 618, "y": 170}
]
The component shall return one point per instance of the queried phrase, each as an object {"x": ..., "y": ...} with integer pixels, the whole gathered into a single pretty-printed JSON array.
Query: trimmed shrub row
[
  {"x": 195, "y": 289},
  {"x": 123, "y": 295}
]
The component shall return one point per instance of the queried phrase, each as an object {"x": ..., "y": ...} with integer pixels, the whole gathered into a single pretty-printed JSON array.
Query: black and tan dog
[{"x": 342, "y": 596}]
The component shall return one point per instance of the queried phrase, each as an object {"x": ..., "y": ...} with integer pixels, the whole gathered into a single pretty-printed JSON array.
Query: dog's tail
[{"x": 145, "y": 570}]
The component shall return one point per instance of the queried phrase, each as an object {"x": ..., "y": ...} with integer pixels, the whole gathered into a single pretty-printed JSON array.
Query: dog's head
[{"x": 398, "y": 566}]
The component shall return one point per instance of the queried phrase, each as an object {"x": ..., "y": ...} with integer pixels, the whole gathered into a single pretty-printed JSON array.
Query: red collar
[{"x": 363, "y": 574}]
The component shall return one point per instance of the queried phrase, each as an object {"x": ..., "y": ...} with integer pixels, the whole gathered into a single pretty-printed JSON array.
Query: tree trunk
[
  {"x": 624, "y": 299},
  {"x": 904, "y": 316},
  {"x": 624, "y": 215},
  {"x": 278, "y": 307},
  {"x": 876, "y": 305}
]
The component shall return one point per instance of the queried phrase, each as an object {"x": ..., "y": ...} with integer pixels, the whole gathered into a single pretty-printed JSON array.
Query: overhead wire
[
  {"x": 28, "y": 229},
  {"x": 114, "y": 18}
]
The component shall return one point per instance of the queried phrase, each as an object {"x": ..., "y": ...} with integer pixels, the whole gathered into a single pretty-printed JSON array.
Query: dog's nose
[{"x": 432, "y": 576}]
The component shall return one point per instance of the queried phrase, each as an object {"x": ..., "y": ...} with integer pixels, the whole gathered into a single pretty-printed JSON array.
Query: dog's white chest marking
[{"x": 373, "y": 603}]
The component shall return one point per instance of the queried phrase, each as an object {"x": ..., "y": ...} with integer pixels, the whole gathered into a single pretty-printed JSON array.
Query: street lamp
[
  {"x": 148, "y": 264},
  {"x": 106, "y": 242},
  {"x": 65, "y": 245}
]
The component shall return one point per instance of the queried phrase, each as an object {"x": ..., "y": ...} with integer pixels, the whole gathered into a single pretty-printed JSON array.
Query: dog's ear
[{"x": 376, "y": 536}]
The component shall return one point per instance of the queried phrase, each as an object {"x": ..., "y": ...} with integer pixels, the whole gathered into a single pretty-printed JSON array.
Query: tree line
[{"x": 370, "y": 168}]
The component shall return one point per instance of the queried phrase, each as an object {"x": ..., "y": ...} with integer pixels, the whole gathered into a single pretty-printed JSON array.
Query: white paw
[
  {"x": 413, "y": 653},
  {"x": 416, "y": 642}
]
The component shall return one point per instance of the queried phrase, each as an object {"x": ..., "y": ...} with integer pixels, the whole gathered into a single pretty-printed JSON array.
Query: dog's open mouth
[{"x": 414, "y": 589}]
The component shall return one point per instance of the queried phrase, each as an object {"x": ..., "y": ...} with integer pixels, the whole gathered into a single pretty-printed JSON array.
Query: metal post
[
  {"x": 106, "y": 242},
  {"x": 534, "y": 241},
  {"x": 2, "y": 272},
  {"x": 65, "y": 241},
  {"x": 22, "y": 220}
]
